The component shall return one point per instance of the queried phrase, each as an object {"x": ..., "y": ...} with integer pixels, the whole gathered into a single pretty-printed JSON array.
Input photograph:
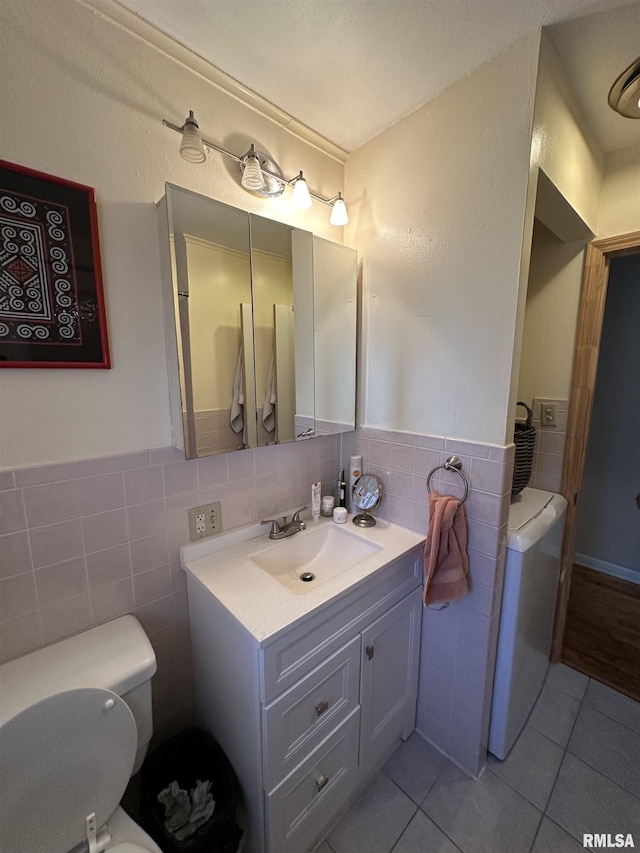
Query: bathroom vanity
[{"x": 308, "y": 689}]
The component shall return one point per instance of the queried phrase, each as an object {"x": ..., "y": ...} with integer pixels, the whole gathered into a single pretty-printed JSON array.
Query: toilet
[{"x": 75, "y": 724}]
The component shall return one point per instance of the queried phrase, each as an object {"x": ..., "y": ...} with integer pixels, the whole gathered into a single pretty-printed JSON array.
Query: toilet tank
[{"x": 117, "y": 656}]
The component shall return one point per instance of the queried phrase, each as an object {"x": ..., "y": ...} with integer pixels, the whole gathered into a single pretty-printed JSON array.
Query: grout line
[
  {"x": 487, "y": 769},
  {"x": 608, "y": 716},
  {"x": 533, "y": 843},
  {"x": 593, "y": 766}
]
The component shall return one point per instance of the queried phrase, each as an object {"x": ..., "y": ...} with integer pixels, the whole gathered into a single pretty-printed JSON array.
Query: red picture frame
[{"x": 52, "y": 311}]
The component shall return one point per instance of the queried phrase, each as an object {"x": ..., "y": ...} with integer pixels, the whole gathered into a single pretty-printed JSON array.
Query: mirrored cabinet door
[
  {"x": 260, "y": 326},
  {"x": 209, "y": 296},
  {"x": 273, "y": 329},
  {"x": 334, "y": 336}
]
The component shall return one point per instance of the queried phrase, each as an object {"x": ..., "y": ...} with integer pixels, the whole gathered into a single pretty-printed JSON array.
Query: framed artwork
[{"x": 51, "y": 300}]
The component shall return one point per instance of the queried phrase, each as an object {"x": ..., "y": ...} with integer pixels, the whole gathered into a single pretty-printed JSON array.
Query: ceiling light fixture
[
  {"x": 260, "y": 173},
  {"x": 624, "y": 96}
]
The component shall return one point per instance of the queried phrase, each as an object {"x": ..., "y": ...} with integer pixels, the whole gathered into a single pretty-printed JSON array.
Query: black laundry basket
[
  {"x": 191, "y": 755},
  {"x": 525, "y": 439}
]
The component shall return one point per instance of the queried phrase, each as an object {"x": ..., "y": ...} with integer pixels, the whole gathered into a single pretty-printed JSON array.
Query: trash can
[{"x": 190, "y": 756}]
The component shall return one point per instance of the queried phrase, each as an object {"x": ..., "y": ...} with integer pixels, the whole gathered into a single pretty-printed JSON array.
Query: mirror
[
  {"x": 273, "y": 330},
  {"x": 260, "y": 323},
  {"x": 366, "y": 494},
  {"x": 334, "y": 324}
]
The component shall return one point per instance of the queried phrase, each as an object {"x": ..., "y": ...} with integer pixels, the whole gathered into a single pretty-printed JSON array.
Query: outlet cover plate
[
  {"x": 205, "y": 521},
  {"x": 548, "y": 414}
]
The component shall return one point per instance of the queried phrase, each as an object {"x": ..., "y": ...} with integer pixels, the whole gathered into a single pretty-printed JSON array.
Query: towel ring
[{"x": 452, "y": 464}]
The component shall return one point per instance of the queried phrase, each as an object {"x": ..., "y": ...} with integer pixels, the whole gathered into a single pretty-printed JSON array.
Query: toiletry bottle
[
  {"x": 315, "y": 500},
  {"x": 342, "y": 489},
  {"x": 355, "y": 470},
  {"x": 327, "y": 505}
]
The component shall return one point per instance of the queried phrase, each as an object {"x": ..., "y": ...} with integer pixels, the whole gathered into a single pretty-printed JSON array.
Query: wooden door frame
[{"x": 595, "y": 280}]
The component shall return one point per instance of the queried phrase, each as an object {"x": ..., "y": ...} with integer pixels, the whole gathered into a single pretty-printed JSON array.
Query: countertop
[{"x": 264, "y": 607}]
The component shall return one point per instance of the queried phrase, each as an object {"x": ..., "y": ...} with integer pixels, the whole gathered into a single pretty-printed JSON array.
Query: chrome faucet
[{"x": 279, "y": 531}]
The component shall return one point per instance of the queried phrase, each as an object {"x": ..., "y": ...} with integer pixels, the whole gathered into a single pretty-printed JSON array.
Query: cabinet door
[{"x": 389, "y": 679}]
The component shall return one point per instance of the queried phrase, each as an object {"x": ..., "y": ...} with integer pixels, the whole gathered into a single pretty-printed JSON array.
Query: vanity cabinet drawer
[
  {"x": 309, "y": 799},
  {"x": 303, "y": 716}
]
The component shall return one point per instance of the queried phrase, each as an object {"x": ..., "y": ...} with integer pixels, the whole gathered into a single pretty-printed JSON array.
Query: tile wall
[
  {"x": 213, "y": 431},
  {"x": 549, "y": 447},
  {"x": 458, "y": 643},
  {"x": 85, "y": 541},
  {"x": 89, "y": 540}
]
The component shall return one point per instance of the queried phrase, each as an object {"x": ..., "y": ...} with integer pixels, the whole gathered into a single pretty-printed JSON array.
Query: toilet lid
[{"x": 61, "y": 759}]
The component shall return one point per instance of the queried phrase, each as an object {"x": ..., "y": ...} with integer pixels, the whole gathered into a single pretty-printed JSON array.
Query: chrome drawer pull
[
  {"x": 321, "y": 781},
  {"x": 321, "y": 707}
]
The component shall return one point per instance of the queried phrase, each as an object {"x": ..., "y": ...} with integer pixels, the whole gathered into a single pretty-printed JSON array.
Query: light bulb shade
[
  {"x": 301, "y": 199},
  {"x": 192, "y": 147},
  {"x": 339, "y": 214},
  {"x": 252, "y": 177}
]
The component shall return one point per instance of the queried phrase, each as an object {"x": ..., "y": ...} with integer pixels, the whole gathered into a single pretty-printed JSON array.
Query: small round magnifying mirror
[{"x": 366, "y": 494}]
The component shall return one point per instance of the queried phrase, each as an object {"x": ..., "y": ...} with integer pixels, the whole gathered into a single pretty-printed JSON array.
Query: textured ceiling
[
  {"x": 594, "y": 50},
  {"x": 349, "y": 69}
]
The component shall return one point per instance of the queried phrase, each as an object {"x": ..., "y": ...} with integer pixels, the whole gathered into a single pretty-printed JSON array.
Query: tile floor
[{"x": 575, "y": 769}]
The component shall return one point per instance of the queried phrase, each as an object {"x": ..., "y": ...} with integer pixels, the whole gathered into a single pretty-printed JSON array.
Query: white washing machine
[{"x": 534, "y": 542}]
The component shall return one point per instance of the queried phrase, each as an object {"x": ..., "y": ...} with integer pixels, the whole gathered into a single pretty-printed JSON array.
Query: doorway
[
  {"x": 602, "y": 632},
  {"x": 599, "y": 256}
]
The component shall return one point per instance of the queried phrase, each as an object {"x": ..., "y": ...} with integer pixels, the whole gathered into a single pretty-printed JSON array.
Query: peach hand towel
[{"x": 446, "y": 562}]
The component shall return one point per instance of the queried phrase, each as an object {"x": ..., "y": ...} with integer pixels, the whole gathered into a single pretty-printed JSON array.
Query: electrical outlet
[
  {"x": 548, "y": 414},
  {"x": 205, "y": 521}
]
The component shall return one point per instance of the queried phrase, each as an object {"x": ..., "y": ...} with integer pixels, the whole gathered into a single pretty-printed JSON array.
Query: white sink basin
[{"x": 303, "y": 561}]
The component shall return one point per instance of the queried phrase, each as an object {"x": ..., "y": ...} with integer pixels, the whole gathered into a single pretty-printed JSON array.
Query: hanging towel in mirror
[
  {"x": 237, "y": 402},
  {"x": 446, "y": 561},
  {"x": 269, "y": 410}
]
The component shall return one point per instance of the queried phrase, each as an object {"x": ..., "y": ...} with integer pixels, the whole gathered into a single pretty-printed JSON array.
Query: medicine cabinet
[{"x": 260, "y": 324}]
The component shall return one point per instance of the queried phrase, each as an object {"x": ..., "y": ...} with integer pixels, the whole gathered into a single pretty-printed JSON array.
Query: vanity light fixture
[
  {"x": 252, "y": 178},
  {"x": 260, "y": 173},
  {"x": 301, "y": 199},
  {"x": 624, "y": 96},
  {"x": 192, "y": 147},
  {"x": 339, "y": 212}
]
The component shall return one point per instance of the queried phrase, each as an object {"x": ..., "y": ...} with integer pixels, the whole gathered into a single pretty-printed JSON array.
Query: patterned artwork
[{"x": 51, "y": 304}]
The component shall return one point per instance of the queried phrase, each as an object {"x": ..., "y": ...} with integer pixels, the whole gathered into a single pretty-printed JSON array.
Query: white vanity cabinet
[{"x": 308, "y": 715}]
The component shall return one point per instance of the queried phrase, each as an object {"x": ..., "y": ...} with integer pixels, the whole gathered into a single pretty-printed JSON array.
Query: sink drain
[{"x": 307, "y": 576}]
